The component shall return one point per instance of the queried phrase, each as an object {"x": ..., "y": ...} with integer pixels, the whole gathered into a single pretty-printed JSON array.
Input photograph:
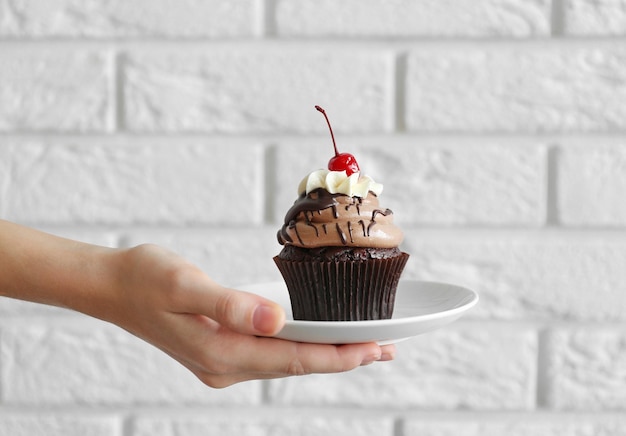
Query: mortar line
[
  {"x": 557, "y": 19},
  {"x": 449, "y": 138},
  {"x": 267, "y": 19},
  {"x": 399, "y": 93},
  {"x": 552, "y": 188},
  {"x": 398, "y": 426},
  {"x": 269, "y": 184},
  {"x": 118, "y": 94},
  {"x": 332, "y": 44},
  {"x": 542, "y": 379}
]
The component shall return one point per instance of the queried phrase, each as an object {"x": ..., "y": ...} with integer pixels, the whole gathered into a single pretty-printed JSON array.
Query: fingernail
[
  {"x": 370, "y": 359},
  {"x": 265, "y": 319},
  {"x": 385, "y": 357}
]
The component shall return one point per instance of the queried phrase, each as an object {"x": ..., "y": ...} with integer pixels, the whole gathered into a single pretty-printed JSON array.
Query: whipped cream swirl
[{"x": 338, "y": 182}]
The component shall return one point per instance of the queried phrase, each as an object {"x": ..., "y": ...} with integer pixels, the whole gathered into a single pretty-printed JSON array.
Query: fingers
[
  {"x": 280, "y": 358},
  {"x": 245, "y": 313},
  {"x": 388, "y": 352},
  {"x": 285, "y": 359},
  {"x": 268, "y": 318},
  {"x": 221, "y": 357},
  {"x": 238, "y": 311}
]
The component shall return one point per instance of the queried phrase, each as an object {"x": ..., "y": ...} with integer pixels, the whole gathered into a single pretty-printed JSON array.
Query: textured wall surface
[{"x": 497, "y": 127}]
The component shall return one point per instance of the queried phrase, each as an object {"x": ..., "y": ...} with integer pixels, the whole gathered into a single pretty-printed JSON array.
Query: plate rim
[{"x": 321, "y": 327}]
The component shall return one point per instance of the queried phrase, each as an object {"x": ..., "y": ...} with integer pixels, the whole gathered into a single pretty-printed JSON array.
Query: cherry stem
[{"x": 329, "y": 128}]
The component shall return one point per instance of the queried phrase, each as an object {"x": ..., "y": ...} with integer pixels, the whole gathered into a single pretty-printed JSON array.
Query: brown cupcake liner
[{"x": 342, "y": 291}]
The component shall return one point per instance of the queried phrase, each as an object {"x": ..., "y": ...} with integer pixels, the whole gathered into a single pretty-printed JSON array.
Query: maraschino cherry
[{"x": 340, "y": 161}]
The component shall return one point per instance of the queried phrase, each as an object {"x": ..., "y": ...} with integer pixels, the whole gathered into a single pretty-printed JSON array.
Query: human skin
[{"x": 221, "y": 335}]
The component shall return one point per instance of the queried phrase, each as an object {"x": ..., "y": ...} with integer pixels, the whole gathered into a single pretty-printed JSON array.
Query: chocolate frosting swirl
[{"x": 322, "y": 219}]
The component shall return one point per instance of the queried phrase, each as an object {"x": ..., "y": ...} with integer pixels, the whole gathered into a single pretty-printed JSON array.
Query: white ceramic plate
[{"x": 420, "y": 307}]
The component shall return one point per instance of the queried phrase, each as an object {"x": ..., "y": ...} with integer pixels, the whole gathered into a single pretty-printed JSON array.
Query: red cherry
[
  {"x": 340, "y": 161},
  {"x": 343, "y": 162}
]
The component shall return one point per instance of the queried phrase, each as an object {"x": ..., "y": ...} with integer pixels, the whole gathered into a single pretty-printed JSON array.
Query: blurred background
[{"x": 496, "y": 126}]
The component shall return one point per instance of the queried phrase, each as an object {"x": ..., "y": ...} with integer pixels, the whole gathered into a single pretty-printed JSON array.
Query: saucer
[{"x": 420, "y": 307}]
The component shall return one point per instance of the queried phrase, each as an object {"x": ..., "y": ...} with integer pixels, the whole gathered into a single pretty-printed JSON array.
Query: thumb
[
  {"x": 240, "y": 311},
  {"x": 248, "y": 313}
]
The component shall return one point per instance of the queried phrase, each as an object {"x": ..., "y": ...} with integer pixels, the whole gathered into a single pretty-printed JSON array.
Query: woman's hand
[{"x": 219, "y": 334}]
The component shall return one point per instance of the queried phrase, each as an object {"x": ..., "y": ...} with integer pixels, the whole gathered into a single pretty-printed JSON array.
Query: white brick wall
[
  {"x": 496, "y": 126},
  {"x": 535, "y": 87}
]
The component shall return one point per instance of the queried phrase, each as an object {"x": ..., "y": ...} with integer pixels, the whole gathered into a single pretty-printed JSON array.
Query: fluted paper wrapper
[{"x": 342, "y": 291}]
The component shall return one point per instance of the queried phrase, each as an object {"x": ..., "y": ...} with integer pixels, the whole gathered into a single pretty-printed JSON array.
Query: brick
[
  {"x": 591, "y": 184},
  {"x": 232, "y": 257},
  {"x": 585, "y": 368},
  {"x": 272, "y": 422},
  {"x": 59, "y": 424},
  {"x": 527, "y": 275},
  {"x": 593, "y": 18},
  {"x": 535, "y": 424},
  {"x": 60, "y": 183},
  {"x": 549, "y": 88},
  {"x": 268, "y": 89},
  {"x": 54, "y": 90},
  {"x": 434, "y": 182},
  {"x": 403, "y": 18},
  {"x": 88, "y": 362},
  {"x": 114, "y": 19},
  {"x": 467, "y": 367}
]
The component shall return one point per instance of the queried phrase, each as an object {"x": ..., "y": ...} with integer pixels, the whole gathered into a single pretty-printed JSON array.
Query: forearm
[{"x": 42, "y": 268}]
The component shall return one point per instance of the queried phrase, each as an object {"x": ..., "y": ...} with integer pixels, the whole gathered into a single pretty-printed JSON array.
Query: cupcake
[{"x": 340, "y": 259}]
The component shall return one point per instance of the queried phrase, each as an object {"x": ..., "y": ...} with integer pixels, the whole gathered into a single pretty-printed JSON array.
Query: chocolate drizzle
[
  {"x": 386, "y": 212},
  {"x": 342, "y": 235},
  {"x": 363, "y": 227},
  {"x": 356, "y": 202},
  {"x": 316, "y": 202}
]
